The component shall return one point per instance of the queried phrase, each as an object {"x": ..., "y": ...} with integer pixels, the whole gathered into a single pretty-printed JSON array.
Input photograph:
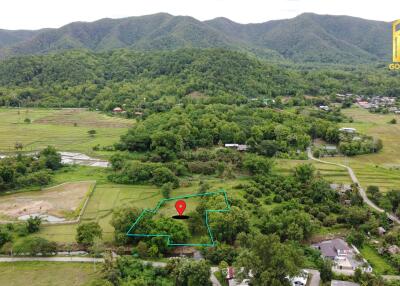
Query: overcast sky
[{"x": 34, "y": 14}]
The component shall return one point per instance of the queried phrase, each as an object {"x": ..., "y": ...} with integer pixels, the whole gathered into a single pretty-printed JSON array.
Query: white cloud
[{"x": 33, "y": 14}]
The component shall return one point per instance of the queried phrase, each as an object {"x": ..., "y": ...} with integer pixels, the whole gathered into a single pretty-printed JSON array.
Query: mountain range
[{"x": 306, "y": 38}]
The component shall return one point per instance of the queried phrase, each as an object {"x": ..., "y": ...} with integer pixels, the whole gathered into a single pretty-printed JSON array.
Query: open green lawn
[
  {"x": 381, "y": 169},
  {"x": 48, "y": 273},
  {"x": 56, "y": 127},
  {"x": 378, "y": 263}
]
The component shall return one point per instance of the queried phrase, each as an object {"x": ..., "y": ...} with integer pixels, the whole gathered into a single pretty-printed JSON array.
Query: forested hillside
[
  {"x": 110, "y": 79},
  {"x": 305, "y": 38}
]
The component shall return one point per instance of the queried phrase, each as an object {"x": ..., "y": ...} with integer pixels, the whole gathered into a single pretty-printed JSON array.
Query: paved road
[
  {"x": 360, "y": 188},
  {"x": 315, "y": 278},
  {"x": 214, "y": 279}
]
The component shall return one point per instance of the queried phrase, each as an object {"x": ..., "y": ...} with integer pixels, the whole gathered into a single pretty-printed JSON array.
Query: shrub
[
  {"x": 50, "y": 158},
  {"x": 166, "y": 190},
  {"x": 205, "y": 168},
  {"x": 5, "y": 236},
  {"x": 257, "y": 165},
  {"x": 164, "y": 175},
  {"x": 87, "y": 232},
  {"x": 33, "y": 224},
  {"x": 35, "y": 245},
  {"x": 142, "y": 249},
  {"x": 278, "y": 199}
]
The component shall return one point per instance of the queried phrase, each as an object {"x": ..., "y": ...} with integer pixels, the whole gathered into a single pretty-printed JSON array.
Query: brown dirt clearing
[{"x": 57, "y": 201}]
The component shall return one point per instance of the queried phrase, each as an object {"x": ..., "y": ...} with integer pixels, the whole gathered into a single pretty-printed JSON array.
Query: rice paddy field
[
  {"x": 65, "y": 129},
  {"x": 381, "y": 169}
]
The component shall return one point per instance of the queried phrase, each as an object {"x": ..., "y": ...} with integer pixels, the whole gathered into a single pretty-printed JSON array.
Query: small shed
[
  {"x": 186, "y": 251},
  {"x": 118, "y": 110}
]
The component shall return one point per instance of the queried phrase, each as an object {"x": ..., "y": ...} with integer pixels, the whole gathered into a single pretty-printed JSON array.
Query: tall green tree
[{"x": 269, "y": 261}]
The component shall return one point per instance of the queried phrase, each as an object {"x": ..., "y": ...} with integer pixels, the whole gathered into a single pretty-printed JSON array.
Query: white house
[
  {"x": 231, "y": 145},
  {"x": 343, "y": 256},
  {"x": 348, "y": 130}
]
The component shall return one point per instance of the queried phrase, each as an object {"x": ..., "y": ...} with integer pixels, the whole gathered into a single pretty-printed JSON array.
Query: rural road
[
  {"x": 315, "y": 278},
  {"x": 214, "y": 279},
  {"x": 360, "y": 189}
]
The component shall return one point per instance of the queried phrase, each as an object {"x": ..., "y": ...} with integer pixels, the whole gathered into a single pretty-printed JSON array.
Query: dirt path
[{"x": 360, "y": 188}]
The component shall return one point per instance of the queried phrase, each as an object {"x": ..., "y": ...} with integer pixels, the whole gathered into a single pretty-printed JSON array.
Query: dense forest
[
  {"x": 155, "y": 80},
  {"x": 265, "y": 131}
]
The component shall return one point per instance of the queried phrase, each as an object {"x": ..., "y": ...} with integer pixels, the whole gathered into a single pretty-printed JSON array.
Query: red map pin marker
[{"x": 180, "y": 206}]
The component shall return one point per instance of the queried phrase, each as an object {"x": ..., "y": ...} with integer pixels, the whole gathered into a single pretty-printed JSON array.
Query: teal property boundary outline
[{"x": 169, "y": 242}]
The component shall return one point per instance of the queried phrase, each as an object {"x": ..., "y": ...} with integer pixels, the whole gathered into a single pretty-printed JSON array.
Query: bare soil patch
[{"x": 57, "y": 201}]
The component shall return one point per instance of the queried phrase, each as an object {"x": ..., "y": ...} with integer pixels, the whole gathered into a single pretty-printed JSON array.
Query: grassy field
[
  {"x": 379, "y": 264},
  {"x": 57, "y": 128},
  {"x": 47, "y": 273},
  {"x": 381, "y": 169}
]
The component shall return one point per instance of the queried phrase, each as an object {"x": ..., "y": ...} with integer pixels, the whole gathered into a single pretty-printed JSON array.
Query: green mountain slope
[
  {"x": 316, "y": 38},
  {"x": 10, "y": 38},
  {"x": 305, "y": 38}
]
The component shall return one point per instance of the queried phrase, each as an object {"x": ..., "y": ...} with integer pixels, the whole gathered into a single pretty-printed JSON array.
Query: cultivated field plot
[
  {"x": 65, "y": 129},
  {"x": 59, "y": 203},
  {"x": 331, "y": 173},
  {"x": 48, "y": 273},
  {"x": 381, "y": 169},
  {"x": 107, "y": 197},
  {"x": 103, "y": 201},
  {"x": 377, "y": 125}
]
